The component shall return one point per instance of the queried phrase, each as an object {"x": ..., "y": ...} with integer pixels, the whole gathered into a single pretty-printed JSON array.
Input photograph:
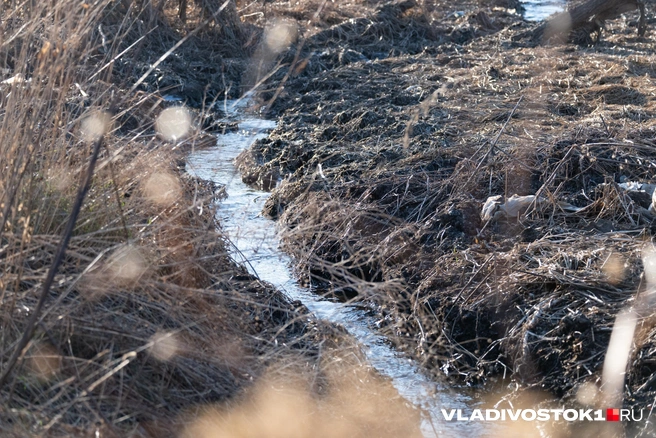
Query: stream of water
[
  {"x": 257, "y": 246},
  {"x": 538, "y": 10},
  {"x": 257, "y": 242}
]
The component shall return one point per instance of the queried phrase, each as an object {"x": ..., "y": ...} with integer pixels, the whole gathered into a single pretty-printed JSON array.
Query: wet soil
[
  {"x": 394, "y": 129},
  {"x": 149, "y": 322},
  {"x": 397, "y": 121}
]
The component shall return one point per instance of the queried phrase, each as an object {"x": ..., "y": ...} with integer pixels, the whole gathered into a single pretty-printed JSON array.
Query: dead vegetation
[
  {"x": 399, "y": 120},
  {"x": 584, "y": 19},
  {"x": 148, "y": 322},
  {"x": 387, "y": 159}
]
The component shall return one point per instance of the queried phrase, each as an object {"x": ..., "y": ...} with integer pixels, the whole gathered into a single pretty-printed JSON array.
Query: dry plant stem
[
  {"x": 117, "y": 195},
  {"x": 538, "y": 194},
  {"x": 59, "y": 256},
  {"x": 175, "y": 47},
  {"x": 117, "y": 57},
  {"x": 494, "y": 142},
  {"x": 12, "y": 195},
  {"x": 503, "y": 128},
  {"x": 296, "y": 57}
]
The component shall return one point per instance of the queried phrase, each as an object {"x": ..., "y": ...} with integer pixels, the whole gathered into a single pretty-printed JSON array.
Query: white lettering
[
  {"x": 514, "y": 416},
  {"x": 449, "y": 416},
  {"x": 585, "y": 415},
  {"x": 570, "y": 414},
  {"x": 477, "y": 414},
  {"x": 528, "y": 415},
  {"x": 537, "y": 415},
  {"x": 624, "y": 414},
  {"x": 489, "y": 412},
  {"x": 543, "y": 415},
  {"x": 557, "y": 413}
]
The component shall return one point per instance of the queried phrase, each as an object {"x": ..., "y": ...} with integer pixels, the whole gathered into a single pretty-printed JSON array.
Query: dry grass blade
[
  {"x": 85, "y": 185},
  {"x": 121, "y": 310}
]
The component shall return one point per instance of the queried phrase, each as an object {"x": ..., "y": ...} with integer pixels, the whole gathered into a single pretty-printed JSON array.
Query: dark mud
[
  {"x": 398, "y": 126},
  {"x": 149, "y": 325}
]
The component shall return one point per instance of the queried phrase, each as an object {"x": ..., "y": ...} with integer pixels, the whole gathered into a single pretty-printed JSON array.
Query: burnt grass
[{"x": 394, "y": 129}]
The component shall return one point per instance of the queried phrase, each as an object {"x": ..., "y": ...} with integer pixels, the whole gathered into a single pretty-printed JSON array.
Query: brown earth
[
  {"x": 397, "y": 121},
  {"x": 150, "y": 329},
  {"x": 396, "y": 125}
]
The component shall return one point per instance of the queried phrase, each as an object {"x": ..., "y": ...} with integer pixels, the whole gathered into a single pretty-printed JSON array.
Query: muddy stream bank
[
  {"x": 537, "y": 10},
  {"x": 386, "y": 164},
  {"x": 256, "y": 245},
  {"x": 394, "y": 132}
]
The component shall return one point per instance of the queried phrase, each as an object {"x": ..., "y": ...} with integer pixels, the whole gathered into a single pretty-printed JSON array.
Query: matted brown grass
[
  {"x": 148, "y": 321},
  {"x": 386, "y": 161}
]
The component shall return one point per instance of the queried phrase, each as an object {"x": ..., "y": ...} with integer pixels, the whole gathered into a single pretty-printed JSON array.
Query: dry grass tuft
[
  {"x": 147, "y": 315},
  {"x": 387, "y": 160}
]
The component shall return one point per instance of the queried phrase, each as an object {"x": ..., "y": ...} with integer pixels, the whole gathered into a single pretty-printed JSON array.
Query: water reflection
[
  {"x": 538, "y": 10},
  {"x": 257, "y": 243}
]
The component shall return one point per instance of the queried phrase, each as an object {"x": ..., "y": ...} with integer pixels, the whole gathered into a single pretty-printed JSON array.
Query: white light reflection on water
[
  {"x": 258, "y": 244},
  {"x": 538, "y": 10}
]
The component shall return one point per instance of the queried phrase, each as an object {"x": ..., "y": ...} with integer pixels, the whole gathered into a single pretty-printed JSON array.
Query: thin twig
[
  {"x": 538, "y": 194},
  {"x": 59, "y": 256},
  {"x": 175, "y": 47},
  {"x": 494, "y": 143}
]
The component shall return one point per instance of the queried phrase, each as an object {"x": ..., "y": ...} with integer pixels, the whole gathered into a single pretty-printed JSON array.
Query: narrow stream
[
  {"x": 257, "y": 242},
  {"x": 538, "y": 10}
]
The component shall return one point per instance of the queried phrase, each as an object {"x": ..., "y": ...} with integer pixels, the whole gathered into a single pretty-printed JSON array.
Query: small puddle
[
  {"x": 257, "y": 246},
  {"x": 538, "y": 10}
]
